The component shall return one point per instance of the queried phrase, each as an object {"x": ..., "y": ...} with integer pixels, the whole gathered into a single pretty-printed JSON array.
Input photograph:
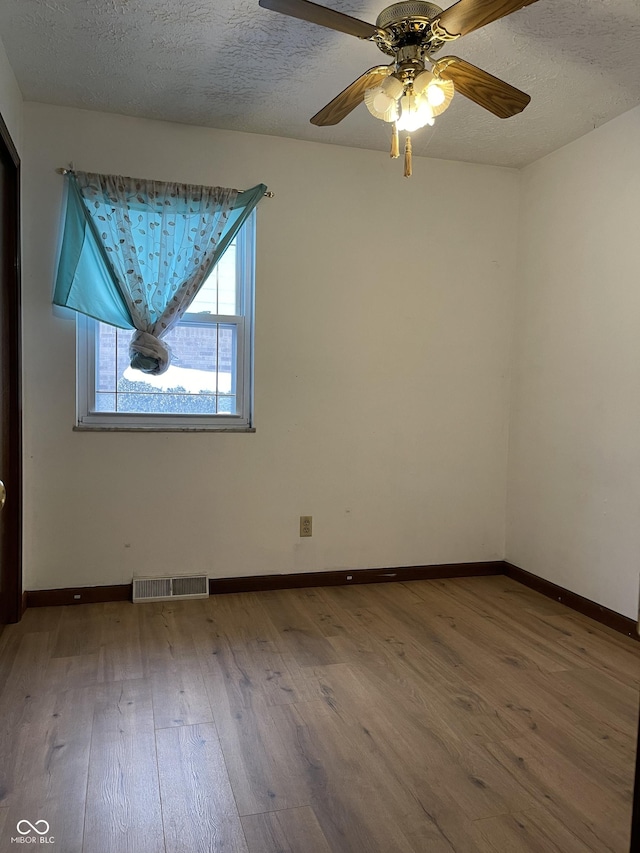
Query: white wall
[
  {"x": 382, "y": 353},
  {"x": 574, "y": 470},
  {"x": 10, "y": 100}
]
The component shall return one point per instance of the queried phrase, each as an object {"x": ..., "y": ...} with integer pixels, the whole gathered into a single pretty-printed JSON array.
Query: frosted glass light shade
[
  {"x": 439, "y": 94},
  {"x": 422, "y": 81},
  {"x": 380, "y": 104},
  {"x": 415, "y": 113},
  {"x": 435, "y": 95},
  {"x": 392, "y": 87}
]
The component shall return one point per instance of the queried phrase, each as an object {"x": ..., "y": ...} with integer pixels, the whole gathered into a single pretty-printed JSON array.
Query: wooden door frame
[
  {"x": 11, "y": 451},
  {"x": 635, "y": 816}
]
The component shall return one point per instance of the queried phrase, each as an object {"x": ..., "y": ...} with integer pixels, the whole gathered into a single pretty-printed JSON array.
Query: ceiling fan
[{"x": 416, "y": 86}]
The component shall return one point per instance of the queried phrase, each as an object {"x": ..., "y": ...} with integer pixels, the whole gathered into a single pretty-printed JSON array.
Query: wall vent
[{"x": 164, "y": 589}]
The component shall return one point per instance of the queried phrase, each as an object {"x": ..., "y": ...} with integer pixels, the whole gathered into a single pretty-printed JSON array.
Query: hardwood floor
[{"x": 469, "y": 715}]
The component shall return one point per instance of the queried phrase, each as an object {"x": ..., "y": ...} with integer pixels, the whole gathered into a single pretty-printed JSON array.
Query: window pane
[
  {"x": 218, "y": 294},
  {"x": 106, "y": 374},
  {"x": 227, "y": 404},
  {"x": 167, "y": 404},
  {"x": 105, "y": 402},
  {"x": 203, "y": 369}
]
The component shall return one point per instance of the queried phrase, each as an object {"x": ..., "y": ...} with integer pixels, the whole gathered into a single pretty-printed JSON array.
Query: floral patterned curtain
[{"x": 152, "y": 244}]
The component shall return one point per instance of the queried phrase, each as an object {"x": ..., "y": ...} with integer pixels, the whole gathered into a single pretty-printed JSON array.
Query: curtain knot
[{"x": 148, "y": 353}]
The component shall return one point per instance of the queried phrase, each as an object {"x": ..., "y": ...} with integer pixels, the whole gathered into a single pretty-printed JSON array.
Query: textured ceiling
[{"x": 231, "y": 64}]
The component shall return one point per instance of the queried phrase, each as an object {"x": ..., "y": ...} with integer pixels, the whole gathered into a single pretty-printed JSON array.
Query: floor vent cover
[{"x": 164, "y": 589}]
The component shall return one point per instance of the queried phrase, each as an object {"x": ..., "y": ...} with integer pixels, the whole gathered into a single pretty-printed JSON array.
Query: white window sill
[{"x": 100, "y": 428}]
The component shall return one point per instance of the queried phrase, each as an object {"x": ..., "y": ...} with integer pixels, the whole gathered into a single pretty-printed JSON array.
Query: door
[{"x": 10, "y": 384}]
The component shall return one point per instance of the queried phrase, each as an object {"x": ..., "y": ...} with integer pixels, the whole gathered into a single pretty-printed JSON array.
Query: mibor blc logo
[{"x": 33, "y": 833}]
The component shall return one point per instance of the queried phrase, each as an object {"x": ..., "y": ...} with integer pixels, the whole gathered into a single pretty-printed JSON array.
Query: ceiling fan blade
[
  {"x": 488, "y": 91},
  {"x": 316, "y": 14},
  {"x": 468, "y": 15},
  {"x": 349, "y": 99}
]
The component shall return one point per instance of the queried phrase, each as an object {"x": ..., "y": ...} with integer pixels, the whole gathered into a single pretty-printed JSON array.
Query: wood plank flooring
[{"x": 469, "y": 715}]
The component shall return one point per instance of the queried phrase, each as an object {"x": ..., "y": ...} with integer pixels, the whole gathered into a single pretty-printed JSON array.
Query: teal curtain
[{"x": 135, "y": 252}]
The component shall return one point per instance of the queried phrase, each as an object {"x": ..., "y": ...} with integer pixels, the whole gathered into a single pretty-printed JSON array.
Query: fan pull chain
[
  {"x": 395, "y": 143},
  {"x": 407, "y": 158}
]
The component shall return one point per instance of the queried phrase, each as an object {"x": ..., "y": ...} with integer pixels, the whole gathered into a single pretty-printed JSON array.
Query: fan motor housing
[
  {"x": 408, "y": 23},
  {"x": 399, "y": 12}
]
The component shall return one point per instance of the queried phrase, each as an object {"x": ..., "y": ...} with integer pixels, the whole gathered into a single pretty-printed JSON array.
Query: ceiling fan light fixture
[
  {"x": 439, "y": 94},
  {"x": 380, "y": 104},
  {"x": 392, "y": 87},
  {"x": 422, "y": 81},
  {"x": 435, "y": 95},
  {"x": 415, "y": 112}
]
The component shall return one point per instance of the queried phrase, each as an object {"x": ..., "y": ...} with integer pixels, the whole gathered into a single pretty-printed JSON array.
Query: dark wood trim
[
  {"x": 8, "y": 141},
  {"x": 123, "y": 592},
  {"x": 11, "y": 569},
  {"x": 25, "y": 596},
  {"x": 299, "y": 580},
  {"x": 78, "y": 595},
  {"x": 635, "y": 815},
  {"x": 583, "y": 605},
  {"x": 303, "y": 580}
]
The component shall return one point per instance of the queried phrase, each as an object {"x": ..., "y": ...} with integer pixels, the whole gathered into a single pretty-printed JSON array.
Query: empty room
[{"x": 320, "y": 479}]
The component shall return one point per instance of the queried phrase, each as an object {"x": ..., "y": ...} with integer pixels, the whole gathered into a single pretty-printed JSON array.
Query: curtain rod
[{"x": 63, "y": 171}]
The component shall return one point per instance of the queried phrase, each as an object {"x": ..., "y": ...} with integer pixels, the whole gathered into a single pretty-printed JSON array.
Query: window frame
[{"x": 87, "y": 418}]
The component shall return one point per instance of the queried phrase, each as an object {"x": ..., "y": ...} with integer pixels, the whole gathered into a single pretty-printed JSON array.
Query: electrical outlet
[{"x": 306, "y": 528}]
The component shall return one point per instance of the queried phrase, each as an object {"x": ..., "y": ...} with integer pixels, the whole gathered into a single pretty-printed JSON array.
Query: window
[{"x": 209, "y": 382}]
